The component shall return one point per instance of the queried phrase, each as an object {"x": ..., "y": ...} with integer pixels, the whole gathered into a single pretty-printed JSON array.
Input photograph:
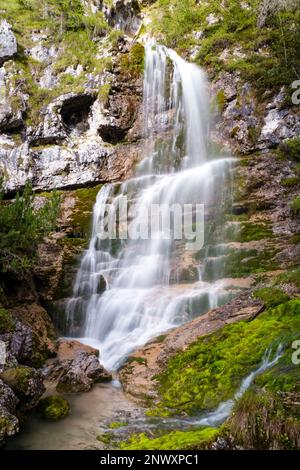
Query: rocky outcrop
[
  {"x": 9, "y": 424},
  {"x": 76, "y": 368},
  {"x": 139, "y": 372},
  {"x": 244, "y": 124},
  {"x": 20, "y": 390},
  {"x": 8, "y": 42},
  {"x": 80, "y": 138}
]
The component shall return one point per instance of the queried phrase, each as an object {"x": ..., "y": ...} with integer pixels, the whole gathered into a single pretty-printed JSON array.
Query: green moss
[
  {"x": 212, "y": 368},
  {"x": 104, "y": 92},
  {"x": 54, "y": 408},
  {"x": 291, "y": 148},
  {"x": 18, "y": 378},
  {"x": 295, "y": 206},
  {"x": 81, "y": 218},
  {"x": 290, "y": 181},
  {"x": 237, "y": 263},
  {"x": 7, "y": 324},
  {"x": 118, "y": 424},
  {"x": 250, "y": 232},
  {"x": 271, "y": 296},
  {"x": 221, "y": 100},
  {"x": 133, "y": 62},
  {"x": 107, "y": 438},
  {"x": 139, "y": 360},
  {"x": 175, "y": 440}
]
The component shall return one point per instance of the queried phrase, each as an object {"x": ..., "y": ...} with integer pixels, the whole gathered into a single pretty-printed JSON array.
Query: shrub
[{"x": 22, "y": 227}]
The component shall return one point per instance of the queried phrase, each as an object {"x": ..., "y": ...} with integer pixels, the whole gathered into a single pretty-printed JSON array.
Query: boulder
[
  {"x": 80, "y": 374},
  {"x": 54, "y": 408},
  {"x": 9, "y": 424},
  {"x": 68, "y": 349},
  {"x": 26, "y": 383},
  {"x": 8, "y": 42}
]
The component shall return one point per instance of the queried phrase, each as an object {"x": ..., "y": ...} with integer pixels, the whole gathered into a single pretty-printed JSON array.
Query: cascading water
[{"x": 128, "y": 291}]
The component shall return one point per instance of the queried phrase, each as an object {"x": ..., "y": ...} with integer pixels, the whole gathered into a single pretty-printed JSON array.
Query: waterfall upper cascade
[{"x": 128, "y": 291}]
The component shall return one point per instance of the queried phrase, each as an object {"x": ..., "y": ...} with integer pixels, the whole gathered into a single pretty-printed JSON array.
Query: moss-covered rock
[
  {"x": 7, "y": 324},
  {"x": 26, "y": 382},
  {"x": 54, "y": 408},
  {"x": 211, "y": 369}
]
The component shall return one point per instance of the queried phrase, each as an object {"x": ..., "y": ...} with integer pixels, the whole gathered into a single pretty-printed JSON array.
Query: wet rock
[
  {"x": 8, "y": 399},
  {"x": 26, "y": 383},
  {"x": 80, "y": 374},
  {"x": 9, "y": 425},
  {"x": 8, "y": 42},
  {"x": 67, "y": 350},
  {"x": 38, "y": 343}
]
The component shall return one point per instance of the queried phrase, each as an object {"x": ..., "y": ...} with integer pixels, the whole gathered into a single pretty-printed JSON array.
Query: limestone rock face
[
  {"x": 74, "y": 144},
  {"x": 8, "y": 42}
]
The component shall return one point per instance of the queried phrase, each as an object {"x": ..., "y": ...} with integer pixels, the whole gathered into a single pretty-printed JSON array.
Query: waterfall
[{"x": 128, "y": 291}]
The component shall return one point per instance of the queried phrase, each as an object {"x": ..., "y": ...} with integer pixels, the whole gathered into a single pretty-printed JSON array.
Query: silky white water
[{"x": 128, "y": 291}]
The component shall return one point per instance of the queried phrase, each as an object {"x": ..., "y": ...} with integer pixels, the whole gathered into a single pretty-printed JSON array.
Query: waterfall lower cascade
[{"x": 128, "y": 291}]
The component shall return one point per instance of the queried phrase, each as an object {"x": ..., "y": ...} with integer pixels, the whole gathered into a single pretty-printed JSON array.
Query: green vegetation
[
  {"x": 295, "y": 206},
  {"x": 54, "y": 408},
  {"x": 68, "y": 24},
  {"x": 118, "y": 424},
  {"x": 237, "y": 263},
  {"x": 133, "y": 62},
  {"x": 221, "y": 100},
  {"x": 197, "y": 439},
  {"x": 291, "y": 148},
  {"x": 212, "y": 368},
  {"x": 261, "y": 420},
  {"x": 104, "y": 92},
  {"x": 22, "y": 227},
  {"x": 139, "y": 360},
  {"x": 55, "y": 16},
  {"x": 290, "y": 277},
  {"x": 290, "y": 181},
  {"x": 7, "y": 324},
  {"x": 271, "y": 51},
  {"x": 251, "y": 232},
  {"x": 81, "y": 217},
  {"x": 18, "y": 378},
  {"x": 271, "y": 296}
]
